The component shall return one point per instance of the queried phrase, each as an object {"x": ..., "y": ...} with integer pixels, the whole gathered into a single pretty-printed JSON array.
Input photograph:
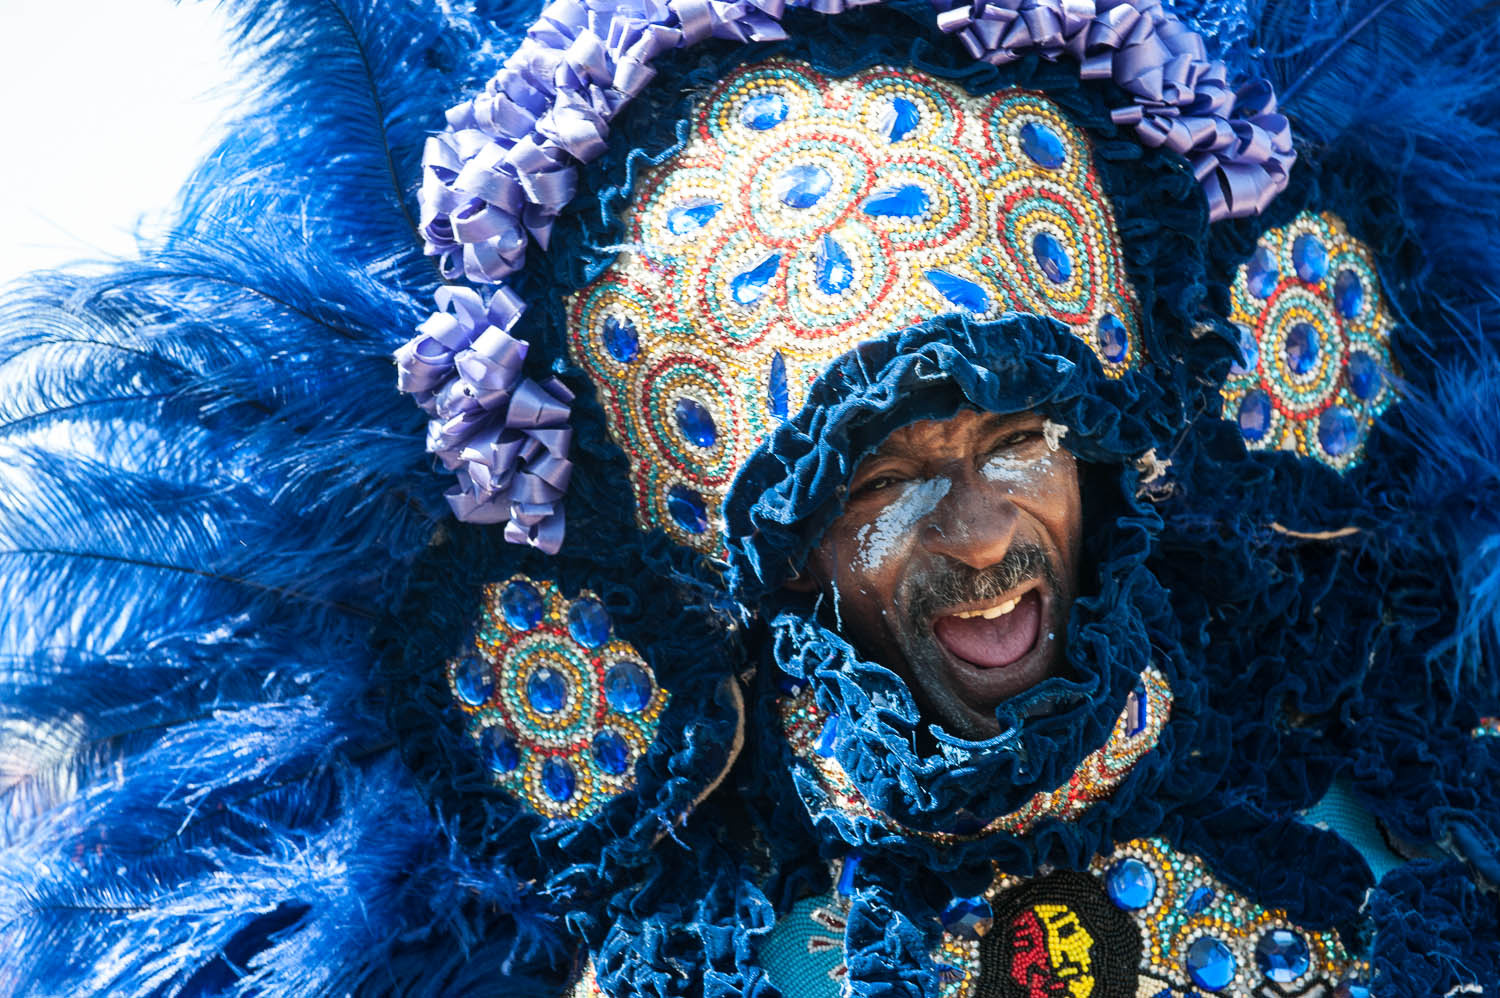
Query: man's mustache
[{"x": 962, "y": 584}]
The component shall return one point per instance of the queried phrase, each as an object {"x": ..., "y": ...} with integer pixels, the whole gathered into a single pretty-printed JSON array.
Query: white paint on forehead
[{"x": 879, "y": 540}]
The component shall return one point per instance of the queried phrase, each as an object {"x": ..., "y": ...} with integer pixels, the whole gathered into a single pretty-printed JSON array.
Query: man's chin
[{"x": 961, "y": 696}]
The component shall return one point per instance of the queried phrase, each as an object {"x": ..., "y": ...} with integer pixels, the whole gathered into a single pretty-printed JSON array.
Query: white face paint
[
  {"x": 892, "y": 528},
  {"x": 1003, "y": 468}
]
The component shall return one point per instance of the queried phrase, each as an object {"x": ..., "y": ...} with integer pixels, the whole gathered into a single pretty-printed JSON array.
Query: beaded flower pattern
[
  {"x": 1315, "y": 369},
  {"x": 805, "y": 215},
  {"x": 559, "y": 710}
]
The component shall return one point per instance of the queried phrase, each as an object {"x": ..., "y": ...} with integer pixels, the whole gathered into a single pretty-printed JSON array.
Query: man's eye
[
  {"x": 1020, "y": 438},
  {"x": 876, "y": 484}
]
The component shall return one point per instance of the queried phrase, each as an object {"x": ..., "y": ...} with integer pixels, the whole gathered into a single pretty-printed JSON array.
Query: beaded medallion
[
  {"x": 1315, "y": 368},
  {"x": 814, "y": 737},
  {"x": 559, "y": 710},
  {"x": 804, "y": 215}
]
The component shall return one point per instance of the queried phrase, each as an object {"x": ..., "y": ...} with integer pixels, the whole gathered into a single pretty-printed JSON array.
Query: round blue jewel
[
  {"x": 695, "y": 422},
  {"x": 901, "y": 118},
  {"x": 588, "y": 622},
  {"x": 472, "y": 680},
  {"x": 547, "y": 691},
  {"x": 1043, "y": 145},
  {"x": 687, "y": 509},
  {"x": 611, "y": 752},
  {"x": 1051, "y": 257},
  {"x": 1364, "y": 375},
  {"x": 1249, "y": 351},
  {"x": 690, "y": 216},
  {"x": 1255, "y": 415},
  {"x": 1200, "y": 899},
  {"x": 627, "y": 687},
  {"x": 764, "y": 111},
  {"x": 1210, "y": 963},
  {"x": 558, "y": 780},
  {"x": 1337, "y": 430},
  {"x": 1352, "y": 987},
  {"x": 620, "y": 338},
  {"x": 1113, "y": 339},
  {"x": 776, "y": 389},
  {"x": 906, "y": 201},
  {"x": 1131, "y": 884},
  {"x": 1310, "y": 258},
  {"x": 749, "y": 286},
  {"x": 835, "y": 271},
  {"x": 1261, "y": 273},
  {"x": 968, "y": 918},
  {"x": 522, "y": 605},
  {"x": 1348, "y": 293},
  {"x": 1282, "y": 956},
  {"x": 498, "y": 749},
  {"x": 1301, "y": 347},
  {"x": 959, "y": 291},
  {"x": 803, "y": 185}
]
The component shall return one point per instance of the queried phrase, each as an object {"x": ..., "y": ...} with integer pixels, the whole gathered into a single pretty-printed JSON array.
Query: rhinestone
[
  {"x": 900, "y": 118},
  {"x": 1131, "y": 884},
  {"x": 1043, "y": 145},
  {"x": 547, "y": 691},
  {"x": 1135, "y": 712},
  {"x": 1051, "y": 257},
  {"x": 1337, "y": 430},
  {"x": 522, "y": 605},
  {"x": 1310, "y": 258},
  {"x": 472, "y": 680},
  {"x": 1255, "y": 415},
  {"x": 1112, "y": 338},
  {"x": 611, "y": 752},
  {"x": 690, "y": 216},
  {"x": 749, "y": 286},
  {"x": 1261, "y": 273},
  {"x": 1348, "y": 294},
  {"x": 1365, "y": 379},
  {"x": 687, "y": 509},
  {"x": 1210, "y": 963},
  {"x": 1281, "y": 955},
  {"x": 803, "y": 185},
  {"x": 588, "y": 622},
  {"x": 1301, "y": 347},
  {"x": 846, "y": 875},
  {"x": 498, "y": 749},
  {"x": 764, "y": 111},
  {"x": 695, "y": 422},
  {"x": 1352, "y": 987},
  {"x": 1200, "y": 899},
  {"x": 906, "y": 201},
  {"x": 949, "y": 974},
  {"x": 558, "y": 780},
  {"x": 627, "y": 687},
  {"x": 968, "y": 918},
  {"x": 835, "y": 271},
  {"x": 829, "y": 737},
  {"x": 776, "y": 393},
  {"x": 960, "y": 292},
  {"x": 1249, "y": 357},
  {"x": 620, "y": 338}
]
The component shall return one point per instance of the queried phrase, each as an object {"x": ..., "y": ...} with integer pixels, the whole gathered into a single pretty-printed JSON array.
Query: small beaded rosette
[
  {"x": 559, "y": 711},
  {"x": 1315, "y": 368}
]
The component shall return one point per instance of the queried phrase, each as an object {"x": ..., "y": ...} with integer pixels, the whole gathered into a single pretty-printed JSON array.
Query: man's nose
[{"x": 975, "y": 523}]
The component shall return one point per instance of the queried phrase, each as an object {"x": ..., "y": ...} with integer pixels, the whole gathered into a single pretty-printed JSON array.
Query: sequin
[
  {"x": 1043, "y": 145},
  {"x": 611, "y": 752},
  {"x": 1210, "y": 963},
  {"x": 547, "y": 691},
  {"x": 472, "y": 680},
  {"x": 968, "y": 918},
  {"x": 627, "y": 687},
  {"x": 1249, "y": 357},
  {"x": 764, "y": 111},
  {"x": 776, "y": 388},
  {"x": 621, "y": 339},
  {"x": 1261, "y": 273},
  {"x": 1363, "y": 372},
  {"x": 1310, "y": 258},
  {"x": 687, "y": 509},
  {"x": 559, "y": 780},
  {"x": 1301, "y": 348},
  {"x": 803, "y": 185},
  {"x": 900, "y": 119},
  {"x": 749, "y": 286},
  {"x": 695, "y": 422},
  {"x": 905, "y": 201},
  {"x": 1131, "y": 884},
  {"x": 834, "y": 270},
  {"x": 588, "y": 622},
  {"x": 1255, "y": 415},
  {"x": 498, "y": 749},
  {"x": 522, "y": 605},
  {"x": 1112, "y": 338},
  {"x": 1337, "y": 430},
  {"x": 1282, "y": 956},
  {"x": 690, "y": 216},
  {"x": 963, "y": 293},
  {"x": 1051, "y": 257},
  {"x": 1348, "y": 294}
]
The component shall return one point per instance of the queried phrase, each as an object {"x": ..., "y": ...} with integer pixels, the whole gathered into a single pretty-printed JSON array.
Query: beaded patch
[
  {"x": 805, "y": 215},
  {"x": 1488, "y": 727},
  {"x": 814, "y": 736},
  {"x": 1315, "y": 367},
  {"x": 559, "y": 710}
]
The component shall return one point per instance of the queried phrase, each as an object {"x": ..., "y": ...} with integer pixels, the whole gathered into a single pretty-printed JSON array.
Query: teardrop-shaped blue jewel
[
  {"x": 1365, "y": 379},
  {"x": 828, "y": 738},
  {"x": 964, "y": 293},
  {"x": 905, "y": 201},
  {"x": 588, "y": 622},
  {"x": 547, "y": 690},
  {"x": 1113, "y": 339},
  {"x": 695, "y": 422},
  {"x": 521, "y": 604},
  {"x": 1282, "y": 955},
  {"x": 1210, "y": 963},
  {"x": 968, "y": 917},
  {"x": 611, "y": 752},
  {"x": 846, "y": 875},
  {"x": 1337, "y": 430},
  {"x": 749, "y": 286},
  {"x": 901, "y": 118},
  {"x": 1255, "y": 416},
  {"x": 1352, "y": 987},
  {"x": 620, "y": 338},
  {"x": 690, "y": 216},
  {"x": 498, "y": 749},
  {"x": 1301, "y": 347},
  {"x": 1051, "y": 257},
  {"x": 803, "y": 185},
  {"x": 686, "y": 507},
  {"x": 1199, "y": 900},
  {"x": 1261, "y": 273},
  {"x": 472, "y": 680},
  {"x": 627, "y": 687},
  {"x": 1310, "y": 258},
  {"x": 776, "y": 391},
  {"x": 1043, "y": 145},
  {"x": 559, "y": 780},
  {"x": 1348, "y": 294},
  {"x": 834, "y": 270},
  {"x": 764, "y": 111},
  {"x": 1131, "y": 884},
  {"x": 1249, "y": 357}
]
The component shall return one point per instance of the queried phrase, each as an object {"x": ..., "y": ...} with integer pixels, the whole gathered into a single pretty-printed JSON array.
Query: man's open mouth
[{"x": 995, "y": 635}]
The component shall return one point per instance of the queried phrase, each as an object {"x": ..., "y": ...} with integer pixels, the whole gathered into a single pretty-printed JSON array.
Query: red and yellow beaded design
[
  {"x": 1315, "y": 331},
  {"x": 804, "y": 215}
]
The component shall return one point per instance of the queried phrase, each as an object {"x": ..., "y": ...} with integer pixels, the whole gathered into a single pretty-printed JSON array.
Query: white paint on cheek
[
  {"x": 892, "y": 528},
  {"x": 1001, "y": 468}
]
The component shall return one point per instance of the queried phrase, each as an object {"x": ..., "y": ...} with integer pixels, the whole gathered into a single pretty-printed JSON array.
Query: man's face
[{"x": 954, "y": 562}]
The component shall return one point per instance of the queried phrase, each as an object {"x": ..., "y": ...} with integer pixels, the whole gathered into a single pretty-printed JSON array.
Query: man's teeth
[{"x": 998, "y": 610}]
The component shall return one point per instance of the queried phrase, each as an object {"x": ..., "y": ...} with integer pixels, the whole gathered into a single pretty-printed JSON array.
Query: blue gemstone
[
  {"x": 829, "y": 737},
  {"x": 1255, "y": 415},
  {"x": 1112, "y": 338},
  {"x": 964, "y": 293},
  {"x": 1200, "y": 899},
  {"x": 1301, "y": 347},
  {"x": 627, "y": 687},
  {"x": 522, "y": 605},
  {"x": 1352, "y": 987},
  {"x": 949, "y": 974},
  {"x": 1051, "y": 257},
  {"x": 1135, "y": 712},
  {"x": 695, "y": 422},
  {"x": 611, "y": 752},
  {"x": 1210, "y": 964},
  {"x": 1043, "y": 145},
  {"x": 498, "y": 749},
  {"x": 1261, "y": 273},
  {"x": 1310, "y": 258},
  {"x": 690, "y": 216},
  {"x": 764, "y": 111},
  {"x": 547, "y": 691},
  {"x": 588, "y": 622},
  {"x": 846, "y": 875},
  {"x": 1337, "y": 430},
  {"x": 1131, "y": 884},
  {"x": 1281, "y": 955},
  {"x": 1348, "y": 294},
  {"x": 620, "y": 338},
  {"x": 1365, "y": 379},
  {"x": 472, "y": 680},
  {"x": 776, "y": 392},
  {"x": 906, "y": 201},
  {"x": 748, "y": 287},
  {"x": 1249, "y": 357},
  {"x": 968, "y": 918},
  {"x": 901, "y": 118},
  {"x": 803, "y": 185},
  {"x": 558, "y": 780},
  {"x": 686, "y": 507},
  {"x": 834, "y": 270}
]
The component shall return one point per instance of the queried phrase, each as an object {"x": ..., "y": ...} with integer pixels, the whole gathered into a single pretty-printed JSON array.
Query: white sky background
[{"x": 105, "y": 107}]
